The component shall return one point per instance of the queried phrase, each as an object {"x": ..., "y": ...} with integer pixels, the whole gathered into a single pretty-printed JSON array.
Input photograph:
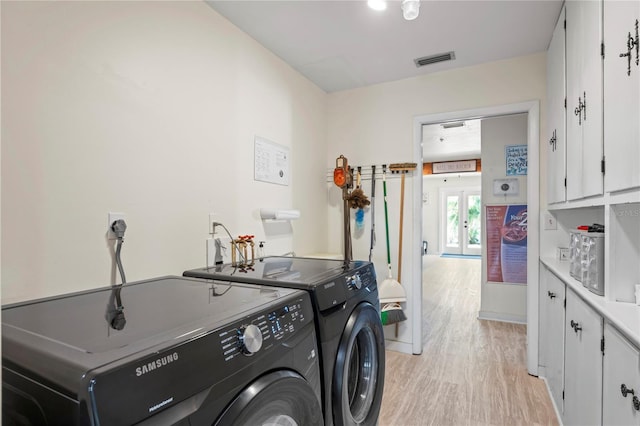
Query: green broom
[{"x": 391, "y": 292}]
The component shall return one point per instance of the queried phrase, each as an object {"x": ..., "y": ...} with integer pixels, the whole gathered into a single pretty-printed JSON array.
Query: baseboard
[
  {"x": 496, "y": 316},
  {"x": 394, "y": 345},
  {"x": 553, "y": 401}
]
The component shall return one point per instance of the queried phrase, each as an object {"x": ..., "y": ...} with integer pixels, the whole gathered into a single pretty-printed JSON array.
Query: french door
[{"x": 461, "y": 224}]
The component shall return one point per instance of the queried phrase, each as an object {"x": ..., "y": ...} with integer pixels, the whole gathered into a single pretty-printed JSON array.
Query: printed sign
[
  {"x": 516, "y": 159},
  {"x": 507, "y": 244}
]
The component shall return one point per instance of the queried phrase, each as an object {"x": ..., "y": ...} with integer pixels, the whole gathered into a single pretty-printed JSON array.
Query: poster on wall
[
  {"x": 506, "y": 230},
  {"x": 516, "y": 159},
  {"x": 271, "y": 162}
]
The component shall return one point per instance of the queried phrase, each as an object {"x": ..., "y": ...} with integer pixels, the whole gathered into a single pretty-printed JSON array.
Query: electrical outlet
[
  {"x": 549, "y": 220},
  {"x": 225, "y": 250},
  {"x": 112, "y": 217},
  {"x": 213, "y": 217}
]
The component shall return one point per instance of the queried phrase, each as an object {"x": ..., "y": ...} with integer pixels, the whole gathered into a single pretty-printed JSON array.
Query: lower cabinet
[
  {"x": 621, "y": 380},
  {"x": 552, "y": 336},
  {"x": 582, "y": 363}
]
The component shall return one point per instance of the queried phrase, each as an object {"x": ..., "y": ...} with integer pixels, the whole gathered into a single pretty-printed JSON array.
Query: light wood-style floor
[{"x": 471, "y": 372}]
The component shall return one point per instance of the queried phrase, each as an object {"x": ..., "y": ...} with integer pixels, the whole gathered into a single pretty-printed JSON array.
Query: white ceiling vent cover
[{"x": 434, "y": 59}]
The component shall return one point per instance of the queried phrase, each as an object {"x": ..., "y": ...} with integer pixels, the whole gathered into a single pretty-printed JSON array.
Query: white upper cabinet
[
  {"x": 556, "y": 94},
  {"x": 621, "y": 95},
  {"x": 584, "y": 99}
]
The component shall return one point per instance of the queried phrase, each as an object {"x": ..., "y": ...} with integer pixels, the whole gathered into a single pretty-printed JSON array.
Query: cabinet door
[
  {"x": 621, "y": 96},
  {"x": 556, "y": 94},
  {"x": 582, "y": 364},
  {"x": 621, "y": 368},
  {"x": 574, "y": 51},
  {"x": 592, "y": 151},
  {"x": 553, "y": 334},
  {"x": 584, "y": 99}
]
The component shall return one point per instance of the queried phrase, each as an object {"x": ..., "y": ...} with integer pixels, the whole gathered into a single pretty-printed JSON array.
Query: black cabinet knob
[
  {"x": 636, "y": 403},
  {"x": 576, "y": 326},
  {"x": 551, "y": 295},
  {"x": 625, "y": 390}
]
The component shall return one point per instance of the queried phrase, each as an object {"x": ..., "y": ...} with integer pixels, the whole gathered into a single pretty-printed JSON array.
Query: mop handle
[
  {"x": 373, "y": 210},
  {"x": 386, "y": 214}
]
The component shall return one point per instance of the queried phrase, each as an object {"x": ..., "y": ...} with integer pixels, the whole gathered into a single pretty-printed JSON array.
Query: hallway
[{"x": 471, "y": 372}]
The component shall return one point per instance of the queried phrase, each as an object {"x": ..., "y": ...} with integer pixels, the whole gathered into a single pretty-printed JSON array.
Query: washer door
[
  {"x": 280, "y": 398},
  {"x": 358, "y": 378}
]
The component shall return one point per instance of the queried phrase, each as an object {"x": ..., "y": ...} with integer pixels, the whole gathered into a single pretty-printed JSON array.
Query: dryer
[
  {"x": 351, "y": 338},
  {"x": 183, "y": 351}
]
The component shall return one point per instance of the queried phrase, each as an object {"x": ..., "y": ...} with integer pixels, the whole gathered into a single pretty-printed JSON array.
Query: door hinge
[
  {"x": 602, "y": 345},
  {"x": 565, "y": 300},
  {"x": 563, "y": 394},
  {"x": 602, "y": 49},
  {"x": 602, "y": 165},
  {"x": 565, "y": 182},
  {"x": 565, "y": 24},
  {"x": 565, "y": 103}
]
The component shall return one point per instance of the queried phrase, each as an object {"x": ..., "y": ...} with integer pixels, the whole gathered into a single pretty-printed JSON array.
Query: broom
[{"x": 391, "y": 292}]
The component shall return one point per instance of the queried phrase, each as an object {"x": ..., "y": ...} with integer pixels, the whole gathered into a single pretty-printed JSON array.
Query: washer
[
  {"x": 180, "y": 351},
  {"x": 351, "y": 339}
]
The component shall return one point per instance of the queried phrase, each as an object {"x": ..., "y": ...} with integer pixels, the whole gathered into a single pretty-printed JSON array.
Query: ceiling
[
  {"x": 457, "y": 140},
  {"x": 343, "y": 44}
]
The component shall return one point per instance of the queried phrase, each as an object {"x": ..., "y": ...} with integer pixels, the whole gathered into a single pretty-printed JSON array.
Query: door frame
[{"x": 532, "y": 108}]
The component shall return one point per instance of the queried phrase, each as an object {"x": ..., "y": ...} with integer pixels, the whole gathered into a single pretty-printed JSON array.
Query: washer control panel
[
  {"x": 361, "y": 279},
  {"x": 259, "y": 333}
]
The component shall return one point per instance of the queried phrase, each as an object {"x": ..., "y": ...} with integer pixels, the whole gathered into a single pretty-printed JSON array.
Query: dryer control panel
[
  {"x": 261, "y": 332},
  {"x": 338, "y": 290}
]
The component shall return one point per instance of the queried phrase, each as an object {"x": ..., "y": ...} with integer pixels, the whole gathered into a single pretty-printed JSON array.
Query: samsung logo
[{"x": 158, "y": 363}]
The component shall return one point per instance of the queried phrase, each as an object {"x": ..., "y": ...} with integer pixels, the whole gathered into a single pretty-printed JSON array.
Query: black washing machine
[
  {"x": 346, "y": 308},
  {"x": 171, "y": 351}
]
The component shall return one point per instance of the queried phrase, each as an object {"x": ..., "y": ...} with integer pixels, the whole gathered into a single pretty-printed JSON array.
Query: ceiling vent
[{"x": 434, "y": 59}]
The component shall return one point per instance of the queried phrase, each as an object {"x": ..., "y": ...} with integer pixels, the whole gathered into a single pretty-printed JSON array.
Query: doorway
[
  {"x": 532, "y": 108},
  {"x": 461, "y": 225}
]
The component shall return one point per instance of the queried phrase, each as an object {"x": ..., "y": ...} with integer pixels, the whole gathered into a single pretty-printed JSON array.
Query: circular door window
[
  {"x": 359, "y": 372},
  {"x": 281, "y": 398}
]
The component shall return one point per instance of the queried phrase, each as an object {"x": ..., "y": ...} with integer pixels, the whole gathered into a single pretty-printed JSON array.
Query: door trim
[{"x": 532, "y": 108}]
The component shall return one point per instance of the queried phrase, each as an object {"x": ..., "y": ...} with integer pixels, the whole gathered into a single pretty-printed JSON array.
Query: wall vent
[{"x": 434, "y": 59}]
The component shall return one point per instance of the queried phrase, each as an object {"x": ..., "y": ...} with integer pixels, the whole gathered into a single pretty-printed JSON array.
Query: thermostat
[{"x": 506, "y": 187}]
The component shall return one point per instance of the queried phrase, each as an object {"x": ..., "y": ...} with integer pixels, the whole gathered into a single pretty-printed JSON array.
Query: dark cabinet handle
[
  {"x": 636, "y": 403},
  {"x": 553, "y": 141},
  {"x": 581, "y": 109},
  {"x": 625, "y": 390},
  {"x": 576, "y": 326},
  {"x": 631, "y": 44},
  {"x": 551, "y": 295}
]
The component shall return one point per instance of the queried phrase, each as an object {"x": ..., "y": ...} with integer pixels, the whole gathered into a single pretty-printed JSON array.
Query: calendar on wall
[{"x": 272, "y": 162}]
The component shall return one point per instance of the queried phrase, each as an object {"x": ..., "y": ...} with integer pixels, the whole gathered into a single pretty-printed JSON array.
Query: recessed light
[{"x": 377, "y": 4}]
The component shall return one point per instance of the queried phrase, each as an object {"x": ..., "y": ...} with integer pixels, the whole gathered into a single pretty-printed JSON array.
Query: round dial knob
[
  {"x": 355, "y": 283},
  {"x": 250, "y": 339}
]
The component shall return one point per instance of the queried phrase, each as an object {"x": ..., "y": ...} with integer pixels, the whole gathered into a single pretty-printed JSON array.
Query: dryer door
[
  {"x": 280, "y": 398},
  {"x": 358, "y": 378}
]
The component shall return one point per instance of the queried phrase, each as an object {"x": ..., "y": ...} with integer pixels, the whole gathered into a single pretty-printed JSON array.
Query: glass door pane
[
  {"x": 473, "y": 224},
  {"x": 452, "y": 241}
]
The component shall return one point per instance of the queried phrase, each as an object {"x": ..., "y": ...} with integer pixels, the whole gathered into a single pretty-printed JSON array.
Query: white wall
[
  {"x": 374, "y": 125},
  {"x": 432, "y": 209},
  {"x": 146, "y": 108},
  {"x": 501, "y": 301}
]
